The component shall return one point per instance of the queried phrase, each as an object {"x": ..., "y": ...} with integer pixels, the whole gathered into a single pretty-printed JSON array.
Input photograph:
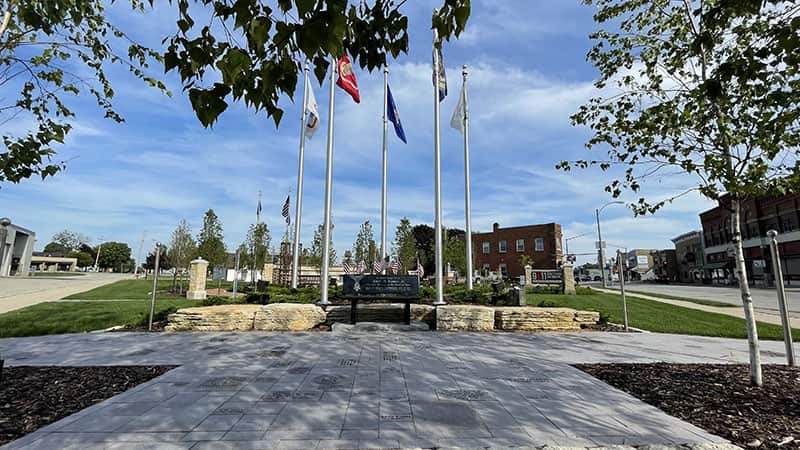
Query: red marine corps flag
[{"x": 347, "y": 79}]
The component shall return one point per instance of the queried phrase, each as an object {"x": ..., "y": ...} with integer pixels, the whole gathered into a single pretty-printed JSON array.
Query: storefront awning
[{"x": 716, "y": 265}]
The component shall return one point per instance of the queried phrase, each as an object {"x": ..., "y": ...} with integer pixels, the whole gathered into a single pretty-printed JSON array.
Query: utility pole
[{"x": 139, "y": 256}]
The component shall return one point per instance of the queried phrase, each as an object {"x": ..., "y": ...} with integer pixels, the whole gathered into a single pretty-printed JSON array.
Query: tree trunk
[{"x": 747, "y": 299}]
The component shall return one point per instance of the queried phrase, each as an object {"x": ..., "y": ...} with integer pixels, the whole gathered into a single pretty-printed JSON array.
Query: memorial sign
[
  {"x": 396, "y": 286},
  {"x": 403, "y": 288}
]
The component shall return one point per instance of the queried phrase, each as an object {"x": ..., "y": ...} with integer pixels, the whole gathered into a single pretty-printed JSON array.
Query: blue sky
[{"x": 528, "y": 73}]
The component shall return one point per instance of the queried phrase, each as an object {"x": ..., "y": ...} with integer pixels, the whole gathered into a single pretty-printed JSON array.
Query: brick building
[
  {"x": 690, "y": 257},
  {"x": 757, "y": 217},
  {"x": 504, "y": 250}
]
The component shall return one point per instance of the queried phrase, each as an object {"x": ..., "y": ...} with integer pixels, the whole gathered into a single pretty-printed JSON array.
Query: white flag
[
  {"x": 312, "y": 111},
  {"x": 459, "y": 115}
]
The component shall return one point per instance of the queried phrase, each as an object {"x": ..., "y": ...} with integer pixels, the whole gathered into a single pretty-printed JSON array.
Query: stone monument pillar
[
  {"x": 266, "y": 272},
  {"x": 197, "y": 280},
  {"x": 528, "y": 275},
  {"x": 567, "y": 279}
]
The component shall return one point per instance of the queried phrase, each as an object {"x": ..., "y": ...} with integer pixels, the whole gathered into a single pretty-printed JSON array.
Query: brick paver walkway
[{"x": 384, "y": 390}]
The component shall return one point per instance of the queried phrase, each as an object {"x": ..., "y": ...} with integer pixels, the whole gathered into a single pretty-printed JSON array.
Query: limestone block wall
[
  {"x": 464, "y": 318},
  {"x": 301, "y": 317},
  {"x": 542, "y": 319}
]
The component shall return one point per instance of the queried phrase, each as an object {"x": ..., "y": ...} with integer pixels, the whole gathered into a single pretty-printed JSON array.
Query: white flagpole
[
  {"x": 467, "y": 207},
  {"x": 326, "y": 235},
  {"x": 437, "y": 177},
  {"x": 385, "y": 155},
  {"x": 298, "y": 207}
]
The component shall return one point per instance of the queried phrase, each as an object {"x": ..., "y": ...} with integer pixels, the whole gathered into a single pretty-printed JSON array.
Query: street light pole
[
  {"x": 602, "y": 258},
  {"x": 4, "y": 223}
]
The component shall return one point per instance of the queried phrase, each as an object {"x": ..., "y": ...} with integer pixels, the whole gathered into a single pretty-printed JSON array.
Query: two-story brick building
[
  {"x": 759, "y": 215},
  {"x": 506, "y": 250},
  {"x": 690, "y": 256}
]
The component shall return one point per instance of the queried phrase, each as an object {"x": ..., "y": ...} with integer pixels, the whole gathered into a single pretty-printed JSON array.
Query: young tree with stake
[{"x": 705, "y": 91}]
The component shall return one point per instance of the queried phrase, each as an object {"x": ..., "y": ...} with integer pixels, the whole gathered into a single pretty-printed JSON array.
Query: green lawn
[
  {"x": 58, "y": 274},
  {"x": 699, "y": 301},
  {"x": 125, "y": 289},
  {"x": 660, "y": 317},
  {"x": 78, "y": 317}
]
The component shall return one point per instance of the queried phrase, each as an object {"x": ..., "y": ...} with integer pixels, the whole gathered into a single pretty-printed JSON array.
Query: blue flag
[{"x": 394, "y": 116}]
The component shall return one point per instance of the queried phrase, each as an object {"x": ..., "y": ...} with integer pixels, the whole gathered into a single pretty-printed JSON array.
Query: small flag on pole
[
  {"x": 420, "y": 269},
  {"x": 348, "y": 268},
  {"x": 394, "y": 266},
  {"x": 377, "y": 266},
  {"x": 394, "y": 116},
  {"x": 285, "y": 212},
  {"x": 460, "y": 114},
  {"x": 347, "y": 79},
  {"x": 312, "y": 120},
  {"x": 439, "y": 75},
  {"x": 362, "y": 266}
]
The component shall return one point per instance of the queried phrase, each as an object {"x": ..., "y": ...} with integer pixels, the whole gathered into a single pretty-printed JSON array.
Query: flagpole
[
  {"x": 326, "y": 235},
  {"x": 385, "y": 156},
  {"x": 298, "y": 207},
  {"x": 467, "y": 199},
  {"x": 437, "y": 176}
]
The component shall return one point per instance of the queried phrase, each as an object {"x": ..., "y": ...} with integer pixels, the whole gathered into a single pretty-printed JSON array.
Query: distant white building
[{"x": 16, "y": 250}]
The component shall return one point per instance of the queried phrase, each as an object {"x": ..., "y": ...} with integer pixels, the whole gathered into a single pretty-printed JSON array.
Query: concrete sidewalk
[
  {"x": 19, "y": 292},
  {"x": 766, "y": 316},
  {"x": 378, "y": 390}
]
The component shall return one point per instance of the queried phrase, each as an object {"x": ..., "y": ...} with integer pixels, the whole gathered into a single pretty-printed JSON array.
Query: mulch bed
[
  {"x": 32, "y": 397},
  {"x": 717, "y": 398}
]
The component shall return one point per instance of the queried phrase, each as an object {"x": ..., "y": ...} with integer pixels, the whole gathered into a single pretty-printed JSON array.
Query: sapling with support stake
[{"x": 699, "y": 97}]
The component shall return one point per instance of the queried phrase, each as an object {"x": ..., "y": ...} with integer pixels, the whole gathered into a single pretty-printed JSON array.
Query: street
[
  {"x": 19, "y": 292},
  {"x": 765, "y": 300}
]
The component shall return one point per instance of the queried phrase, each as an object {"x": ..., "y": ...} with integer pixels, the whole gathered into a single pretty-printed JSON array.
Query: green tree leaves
[
  {"x": 210, "y": 244},
  {"x": 258, "y": 53},
  {"x": 39, "y": 52}
]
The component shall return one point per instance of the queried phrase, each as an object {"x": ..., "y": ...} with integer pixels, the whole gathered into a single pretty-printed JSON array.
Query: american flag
[
  {"x": 420, "y": 269},
  {"x": 362, "y": 266},
  {"x": 394, "y": 266},
  {"x": 285, "y": 212},
  {"x": 348, "y": 268},
  {"x": 377, "y": 266}
]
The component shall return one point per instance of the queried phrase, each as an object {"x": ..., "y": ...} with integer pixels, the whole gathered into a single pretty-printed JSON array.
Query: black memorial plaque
[{"x": 397, "y": 286}]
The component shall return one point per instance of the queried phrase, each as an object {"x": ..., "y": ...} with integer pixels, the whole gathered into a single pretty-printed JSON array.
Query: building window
[
  {"x": 520, "y": 245},
  {"x": 486, "y": 248},
  {"x": 503, "y": 270},
  {"x": 539, "y": 244},
  {"x": 501, "y": 246}
]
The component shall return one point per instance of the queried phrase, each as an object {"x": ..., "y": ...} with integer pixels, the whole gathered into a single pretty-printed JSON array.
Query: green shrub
[
  {"x": 543, "y": 289},
  {"x": 257, "y": 298},
  {"x": 215, "y": 300}
]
